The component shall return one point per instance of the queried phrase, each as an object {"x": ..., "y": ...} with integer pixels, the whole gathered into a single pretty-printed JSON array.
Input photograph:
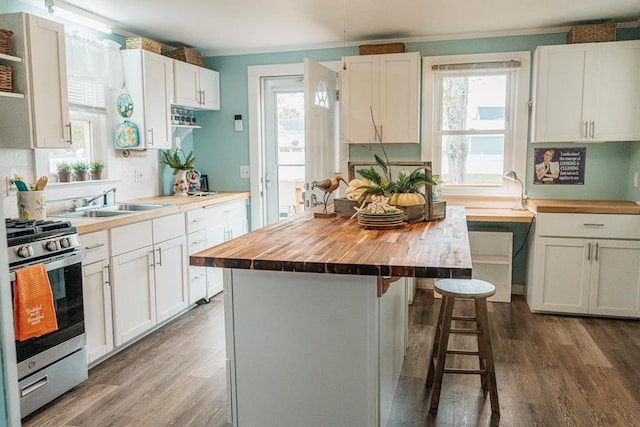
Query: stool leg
[
  {"x": 441, "y": 354},
  {"x": 482, "y": 357},
  {"x": 434, "y": 347},
  {"x": 483, "y": 317}
]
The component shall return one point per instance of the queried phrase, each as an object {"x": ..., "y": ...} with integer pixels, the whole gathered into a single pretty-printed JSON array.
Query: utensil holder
[{"x": 32, "y": 205}]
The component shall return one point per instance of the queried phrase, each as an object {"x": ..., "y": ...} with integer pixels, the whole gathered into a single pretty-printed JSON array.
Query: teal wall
[{"x": 220, "y": 151}]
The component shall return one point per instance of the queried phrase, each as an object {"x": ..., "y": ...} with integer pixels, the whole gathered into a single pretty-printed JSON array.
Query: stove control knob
[
  {"x": 65, "y": 243},
  {"x": 25, "y": 251},
  {"x": 52, "y": 245}
]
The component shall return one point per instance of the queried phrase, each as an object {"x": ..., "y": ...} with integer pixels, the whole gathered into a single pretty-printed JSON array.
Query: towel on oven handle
[{"x": 33, "y": 310}]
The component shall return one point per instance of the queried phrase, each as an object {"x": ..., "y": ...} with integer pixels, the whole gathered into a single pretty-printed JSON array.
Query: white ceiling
[{"x": 217, "y": 27}]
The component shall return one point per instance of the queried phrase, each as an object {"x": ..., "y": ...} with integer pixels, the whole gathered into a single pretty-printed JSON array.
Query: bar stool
[{"x": 478, "y": 291}]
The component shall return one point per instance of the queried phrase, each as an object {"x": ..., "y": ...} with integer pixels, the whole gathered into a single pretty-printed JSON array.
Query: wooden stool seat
[{"x": 478, "y": 291}]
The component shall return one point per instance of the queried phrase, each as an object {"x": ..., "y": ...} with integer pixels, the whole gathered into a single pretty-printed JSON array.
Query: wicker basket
[
  {"x": 142, "y": 43},
  {"x": 185, "y": 54},
  {"x": 592, "y": 33},
  {"x": 376, "y": 49},
  {"x": 5, "y": 41},
  {"x": 5, "y": 78}
]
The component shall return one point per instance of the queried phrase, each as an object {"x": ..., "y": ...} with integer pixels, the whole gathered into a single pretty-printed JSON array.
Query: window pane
[
  {"x": 80, "y": 150},
  {"x": 291, "y": 156},
  {"x": 474, "y": 102},
  {"x": 472, "y": 159}
]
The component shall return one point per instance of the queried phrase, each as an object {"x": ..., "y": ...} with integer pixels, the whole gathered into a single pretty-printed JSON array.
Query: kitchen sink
[
  {"x": 94, "y": 213},
  {"x": 132, "y": 207}
]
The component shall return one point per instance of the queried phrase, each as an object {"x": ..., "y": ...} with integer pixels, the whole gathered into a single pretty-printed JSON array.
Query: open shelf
[
  {"x": 183, "y": 130},
  {"x": 11, "y": 95},
  {"x": 10, "y": 58}
]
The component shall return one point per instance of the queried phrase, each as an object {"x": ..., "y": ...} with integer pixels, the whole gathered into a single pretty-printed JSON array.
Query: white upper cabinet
[
  {"x": 39, "y": 116},
  {"x": 196, "y": 87},
  {"x": 386, "y": 87},
  {"x": 149, "y": 80},
  {"x": 587, "y": 92}
]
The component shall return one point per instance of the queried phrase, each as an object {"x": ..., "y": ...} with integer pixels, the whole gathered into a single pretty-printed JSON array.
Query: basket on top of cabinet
[{"x": 185, "y": 54}]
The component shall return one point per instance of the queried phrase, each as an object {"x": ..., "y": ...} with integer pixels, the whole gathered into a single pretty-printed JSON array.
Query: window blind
[{"x": 86, "y": 95}]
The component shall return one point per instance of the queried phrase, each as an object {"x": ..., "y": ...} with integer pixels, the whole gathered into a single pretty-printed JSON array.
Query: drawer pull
[
  {"x": 97, "y": 245},
  {"x": 593, "y": 225},
  {"x": 197, "y": 242},
  {"x": 196, "y": 220},
  {"x": 34, "y": 386}
]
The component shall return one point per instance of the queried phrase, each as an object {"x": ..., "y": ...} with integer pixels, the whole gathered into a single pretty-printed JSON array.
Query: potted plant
[
  {"x": 64, "y": 171},
  {"x": 80, "y": 169},
  {"x": 96, "y": 169},
  {"x": 181, "y": 165}
]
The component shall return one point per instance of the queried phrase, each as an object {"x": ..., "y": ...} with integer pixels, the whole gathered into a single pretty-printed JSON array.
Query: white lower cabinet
[
  {"x": 149, "y": 266},
  {"x": 196, "y": 241},
  {"x": 223, "y": 222},
  {"x": 591, "y": 275},
  {"x": 96, "y": 290}
]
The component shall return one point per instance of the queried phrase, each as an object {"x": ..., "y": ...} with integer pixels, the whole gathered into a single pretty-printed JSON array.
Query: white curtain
[{"x": 93, "y": 60}]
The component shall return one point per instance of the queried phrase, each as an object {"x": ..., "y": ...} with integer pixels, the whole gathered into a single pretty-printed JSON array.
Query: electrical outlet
[
  {"x": 244, "y": 171},
  {"x": 138, "y": 176}
]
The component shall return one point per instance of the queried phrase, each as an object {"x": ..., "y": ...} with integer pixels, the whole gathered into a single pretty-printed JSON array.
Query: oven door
[{"x": 65, "y": 277}]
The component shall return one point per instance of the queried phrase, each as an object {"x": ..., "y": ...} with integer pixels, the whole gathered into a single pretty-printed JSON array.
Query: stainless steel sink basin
[
  {"x": 95, "y": 213},
  {"x": 132, "y": 207}
]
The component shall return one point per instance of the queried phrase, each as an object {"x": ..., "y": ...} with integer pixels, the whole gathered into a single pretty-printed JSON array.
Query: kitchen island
[{"x": 316, "y": 330}]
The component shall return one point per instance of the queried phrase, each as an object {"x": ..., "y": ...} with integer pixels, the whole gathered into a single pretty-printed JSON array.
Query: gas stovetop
[{"x": 31, "y": 240}]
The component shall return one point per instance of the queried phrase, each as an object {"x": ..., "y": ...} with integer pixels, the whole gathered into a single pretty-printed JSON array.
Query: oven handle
[{"x": 69, "y": 259}]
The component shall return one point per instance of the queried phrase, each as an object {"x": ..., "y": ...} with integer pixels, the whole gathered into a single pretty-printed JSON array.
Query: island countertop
[{"x": 437, "y": 249}]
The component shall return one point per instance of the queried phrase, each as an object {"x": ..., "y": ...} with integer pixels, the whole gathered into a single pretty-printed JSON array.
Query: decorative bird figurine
[{"x": 328, "y": 186}]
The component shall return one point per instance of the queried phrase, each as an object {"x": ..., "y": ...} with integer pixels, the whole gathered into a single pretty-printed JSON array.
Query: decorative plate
[
  {"x": 126, "y": 135},
  {"x": 389, "y": 219},
  {"x": 125, "y": 105}
]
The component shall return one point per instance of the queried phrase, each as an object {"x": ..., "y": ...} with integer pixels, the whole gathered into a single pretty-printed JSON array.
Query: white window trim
[{"x": 517, "y": 155}]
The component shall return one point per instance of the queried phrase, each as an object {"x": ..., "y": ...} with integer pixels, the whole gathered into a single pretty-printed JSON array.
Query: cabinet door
[
  {"x": 210, "y": 89},
  {"x": 197, "y": 284},
  {"x": 615, "y": 283},
  {"x": 187, "y": 84},
  {"x": 562, "y": 275},
  {"x": 98, "y": 322},
  {"x": 359, "y": 96},
  {"x": 614, "y": 100},
  {"x": 134, "y": 299},
  {"x": 558, "y": 97},
  {"x": 171, "y": 278},
  {"x": 236, "y": 227},
  {"x": 158, "y": 93},
  {"x": 399, "y": 85},
  {"x": 48, "y": 83}
]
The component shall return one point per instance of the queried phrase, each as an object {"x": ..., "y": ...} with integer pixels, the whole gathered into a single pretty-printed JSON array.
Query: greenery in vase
[
  {"x": 80, "y": 166},
  {"x": 173, "y": 159},
  {"x": 96, "y": 166},
  {"x": 63, "y": 167}
]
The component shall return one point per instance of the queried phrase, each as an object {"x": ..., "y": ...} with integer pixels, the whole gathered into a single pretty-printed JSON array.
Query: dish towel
[{"x": 33, "y": 311}]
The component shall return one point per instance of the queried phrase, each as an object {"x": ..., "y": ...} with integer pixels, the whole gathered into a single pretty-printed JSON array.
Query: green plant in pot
[
  {"x": 96, "y": 169},
  {"x": 181, "y": 164},
  {"x": 64, "y": 171},
  {"x": 80, "y": 169}
]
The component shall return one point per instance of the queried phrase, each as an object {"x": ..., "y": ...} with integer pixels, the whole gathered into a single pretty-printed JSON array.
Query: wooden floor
[{"x": 551, "y": 371}]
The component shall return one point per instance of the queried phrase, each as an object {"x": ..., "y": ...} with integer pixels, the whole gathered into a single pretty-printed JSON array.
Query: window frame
[{"x": 516, "y": 142}]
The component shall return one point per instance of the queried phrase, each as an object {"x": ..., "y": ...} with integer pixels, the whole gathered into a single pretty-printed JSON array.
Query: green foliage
[
  {"x": 173, "y": 159},
  {"x": 96, "y": 166},
  {"x": 80, "y": 165},
  {"x": 63, "y": 166}
]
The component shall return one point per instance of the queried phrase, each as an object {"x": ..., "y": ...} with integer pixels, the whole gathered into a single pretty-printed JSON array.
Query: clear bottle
[
  {"x": 183, "y": 118},
  {"x": 192, "y": 118},
  {"x": 175, "y": 119}
]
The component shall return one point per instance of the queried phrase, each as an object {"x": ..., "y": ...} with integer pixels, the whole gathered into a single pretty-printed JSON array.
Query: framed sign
[
  {"x": 204, "y": 183},
  {"x": 559, "y": 166}
]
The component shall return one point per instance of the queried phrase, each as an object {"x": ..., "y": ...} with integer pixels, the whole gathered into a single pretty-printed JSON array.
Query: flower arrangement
[{"x": 173, "y": 159}]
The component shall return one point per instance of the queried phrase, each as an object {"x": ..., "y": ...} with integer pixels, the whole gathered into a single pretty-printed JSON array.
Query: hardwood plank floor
[{"x": 551, "y": 371}]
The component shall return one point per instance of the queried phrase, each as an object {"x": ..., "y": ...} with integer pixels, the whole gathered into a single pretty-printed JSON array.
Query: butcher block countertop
[
  {"x": 178, "y": 204},
  {"x": 584, "y": 206},
  {"x": 339, "y": 245}
]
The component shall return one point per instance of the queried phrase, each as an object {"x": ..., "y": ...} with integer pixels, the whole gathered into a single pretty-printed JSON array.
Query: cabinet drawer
[
  {"x": 168, "y": 227},
  {"x": 197, "y": 284},
  {"x": 196, "y": 242},
  {"x": 195, "y": 220},
  {"x": 130, "y": 237},
  {"x": 95, "y": 246},
  {"x": 226, "y": 211},
  {"x": 588, "y": 225}
]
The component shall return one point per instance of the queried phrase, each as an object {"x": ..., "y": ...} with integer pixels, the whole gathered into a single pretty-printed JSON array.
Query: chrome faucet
[{"x": 104, "y": 195}]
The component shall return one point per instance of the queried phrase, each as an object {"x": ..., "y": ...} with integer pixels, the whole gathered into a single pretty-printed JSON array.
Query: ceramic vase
[{"x": 181, "y": 183}]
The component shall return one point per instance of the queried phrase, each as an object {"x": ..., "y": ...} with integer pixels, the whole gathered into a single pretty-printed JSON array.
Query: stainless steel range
[{"x": 51, "y": 364}]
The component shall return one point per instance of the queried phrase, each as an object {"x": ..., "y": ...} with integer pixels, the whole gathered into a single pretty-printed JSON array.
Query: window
[{"x": 475, "y": 120}]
